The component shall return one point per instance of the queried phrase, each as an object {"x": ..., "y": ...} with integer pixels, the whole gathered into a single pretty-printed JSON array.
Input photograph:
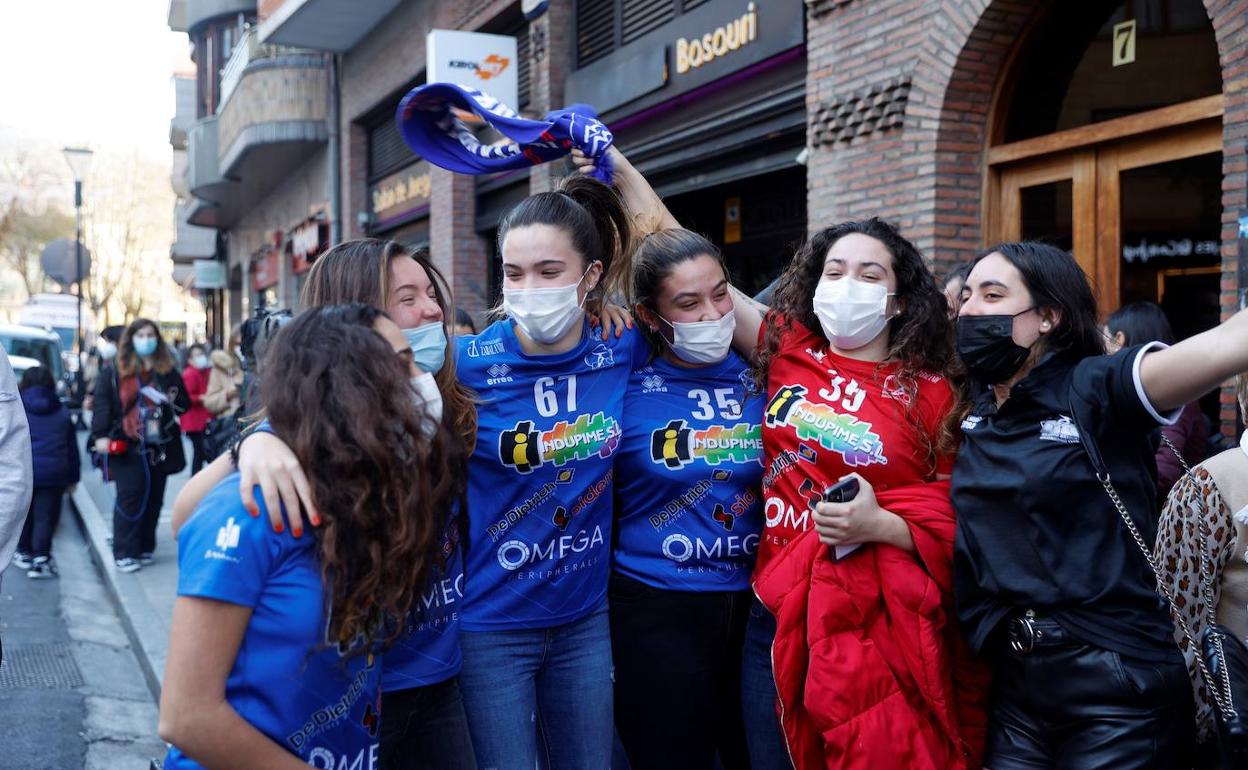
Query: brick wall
[
  {"x": 550, "y": 51},
  {"x": 1230, "y": 27},
  {"x": 944, "y": 59},
  {"x": 457, "y": 250}
]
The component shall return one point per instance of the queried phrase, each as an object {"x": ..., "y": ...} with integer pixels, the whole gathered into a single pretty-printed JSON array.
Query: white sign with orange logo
[{"x": 485, "y": 62}]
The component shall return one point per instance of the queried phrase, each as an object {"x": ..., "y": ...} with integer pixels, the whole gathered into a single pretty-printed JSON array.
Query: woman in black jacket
[
  {"x": 135, "y": 428},
  {"x": 1050, "y": 583}
]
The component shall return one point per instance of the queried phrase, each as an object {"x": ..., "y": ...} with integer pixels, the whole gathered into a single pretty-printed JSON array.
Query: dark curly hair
[
  {"x": 920, "y": 336},
  {"x": 384, "y": 486}
]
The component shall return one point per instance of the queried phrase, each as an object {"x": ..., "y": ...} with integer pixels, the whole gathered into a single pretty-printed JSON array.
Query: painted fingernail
[
  {"x": 279, "y": 527},
  {"x": 297, "y": 532},
  {"x": 316, "y": 520},
  {"x": 253, "y": 510}
]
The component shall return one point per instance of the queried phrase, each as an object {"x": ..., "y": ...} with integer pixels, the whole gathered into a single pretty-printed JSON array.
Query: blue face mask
[
  {"x": 428, "y": 343},
  {"x": 145, "y": 346}
]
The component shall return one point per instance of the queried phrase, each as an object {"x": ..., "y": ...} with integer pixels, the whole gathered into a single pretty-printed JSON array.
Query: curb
[{"x": 139, "y": 618}]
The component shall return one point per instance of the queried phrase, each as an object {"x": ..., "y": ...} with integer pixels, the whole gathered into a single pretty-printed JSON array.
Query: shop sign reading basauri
[
  {"x": 710, "y": 42},
  {"x": 403, "y": 193}
]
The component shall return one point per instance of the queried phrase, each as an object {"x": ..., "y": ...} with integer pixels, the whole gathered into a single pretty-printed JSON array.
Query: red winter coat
[
  {"x": 870, "y": 666},
  {"x": 196, "y": 418}
]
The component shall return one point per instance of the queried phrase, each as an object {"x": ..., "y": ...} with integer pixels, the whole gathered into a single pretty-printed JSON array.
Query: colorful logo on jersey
[
  {"x": 561, "y": 518},
  {"x": 526, "y": 448},
  {"x": 842, "y": 433},
  {"x": 676, "y": 445}
]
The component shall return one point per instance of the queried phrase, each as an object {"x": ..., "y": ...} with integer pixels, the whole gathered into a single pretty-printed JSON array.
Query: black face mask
[{"x": 987, "y": 348}]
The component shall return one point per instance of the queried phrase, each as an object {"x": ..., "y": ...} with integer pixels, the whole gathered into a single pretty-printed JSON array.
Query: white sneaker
[
  {"x": 128, "y": 565},
  {"x": 42, "y": 567},
  {"x": 146, "y": 559},
  {"x": 22, "y": 560}
]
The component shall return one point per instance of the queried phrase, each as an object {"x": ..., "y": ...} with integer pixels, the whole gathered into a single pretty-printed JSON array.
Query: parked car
[
  {"x": 21, "y": 363},
  {"x": 43, "y": 347}
]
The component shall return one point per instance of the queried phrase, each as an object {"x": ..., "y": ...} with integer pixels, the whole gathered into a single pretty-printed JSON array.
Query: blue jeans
[
  {"x": 540, "y": 693},
  {"x": 763, "y": 737}
]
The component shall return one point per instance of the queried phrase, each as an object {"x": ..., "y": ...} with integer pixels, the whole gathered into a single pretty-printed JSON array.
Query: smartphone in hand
[{"x": 842, "y": 492}]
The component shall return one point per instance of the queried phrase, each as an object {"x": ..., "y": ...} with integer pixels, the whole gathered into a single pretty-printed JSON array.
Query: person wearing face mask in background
[
  {"x": 1051, "y": 583},
  {"x": 195, "y": 419},
  {"x": 135, "y": 429},
  {"x": 680, "y": 581},
  {"x": 423, "y": 720},
  {"x": 852, "y": 355},
  {"x": 102, "y": 356},
  {"x": 223, "y": 396}
]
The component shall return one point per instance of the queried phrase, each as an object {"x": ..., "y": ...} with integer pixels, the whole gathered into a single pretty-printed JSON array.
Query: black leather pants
[{"x": 1068, "y": 705}]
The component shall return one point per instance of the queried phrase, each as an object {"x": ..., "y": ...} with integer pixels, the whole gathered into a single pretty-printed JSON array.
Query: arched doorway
[{"x": 1107, "y": 140}]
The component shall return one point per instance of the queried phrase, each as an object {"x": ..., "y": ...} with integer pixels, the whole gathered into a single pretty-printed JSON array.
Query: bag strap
[{"x": 1222, "y": 696}]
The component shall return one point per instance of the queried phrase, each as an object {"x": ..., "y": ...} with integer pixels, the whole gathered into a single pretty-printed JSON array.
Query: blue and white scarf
[{"x": 433, "y": 131}]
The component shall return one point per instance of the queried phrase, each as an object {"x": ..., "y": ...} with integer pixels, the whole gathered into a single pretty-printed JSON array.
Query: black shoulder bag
[{"x": 1221, "y": 656}]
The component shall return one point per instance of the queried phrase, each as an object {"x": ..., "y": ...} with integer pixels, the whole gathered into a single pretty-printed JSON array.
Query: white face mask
[
  {"x": 703, "y": 342},
  {"x": 545, "y": 315},
  {"x": 851, "y": 312},
  {"x": 106, "y": 349},
  {"x": 199, "y": 362},
  {"x": 429, "y": 398}
]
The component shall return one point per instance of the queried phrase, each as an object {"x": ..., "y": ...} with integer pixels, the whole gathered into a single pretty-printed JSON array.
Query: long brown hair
[
  {"x": 920, "y": 336},
  {"x": 359, "y": 271},
  {"x": 384, "y": 486},
  {"x": 129, "y": 362}
]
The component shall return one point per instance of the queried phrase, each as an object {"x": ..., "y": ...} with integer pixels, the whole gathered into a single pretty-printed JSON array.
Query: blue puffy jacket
[{"x": 53, "y": 441}]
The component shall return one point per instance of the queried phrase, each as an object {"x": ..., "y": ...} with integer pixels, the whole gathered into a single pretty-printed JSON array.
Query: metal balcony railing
[{"x": 249, "y": 49}]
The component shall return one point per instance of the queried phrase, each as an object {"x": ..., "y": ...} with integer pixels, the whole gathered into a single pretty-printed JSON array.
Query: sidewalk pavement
[{"x": 144, "y": 599}]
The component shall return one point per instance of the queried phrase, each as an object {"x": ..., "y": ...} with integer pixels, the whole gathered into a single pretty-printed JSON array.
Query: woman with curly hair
[
  {"x": 854, "y": 357},
  {"x": 274, "y": 643},
  {"x": 425, "y": 725}
]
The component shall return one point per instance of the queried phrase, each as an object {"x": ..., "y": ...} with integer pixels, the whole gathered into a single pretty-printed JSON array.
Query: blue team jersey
[
  {"x": 287, "y": 681},
  {"x": 687, "y": 477},
  {"x": 429, "y": 651},
  {"x": 539, "y": 481}
]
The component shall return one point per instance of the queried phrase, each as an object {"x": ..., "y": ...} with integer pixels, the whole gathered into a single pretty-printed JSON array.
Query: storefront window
[{"x": 1071, "y": 77}]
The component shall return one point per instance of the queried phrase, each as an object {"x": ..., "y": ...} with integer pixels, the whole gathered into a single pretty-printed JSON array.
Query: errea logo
[
  {"x": 498, "y": 374},
  {"x": 653, "y": 383}
]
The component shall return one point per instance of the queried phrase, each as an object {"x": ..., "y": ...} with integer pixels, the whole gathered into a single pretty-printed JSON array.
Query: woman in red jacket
[{"x": 198, "y": 369}]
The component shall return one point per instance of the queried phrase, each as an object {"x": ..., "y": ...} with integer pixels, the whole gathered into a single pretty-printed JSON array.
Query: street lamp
[{"x": 79, "y": 160}]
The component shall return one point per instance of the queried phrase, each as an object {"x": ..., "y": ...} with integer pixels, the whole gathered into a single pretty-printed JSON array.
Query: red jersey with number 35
[{"x": 828, "y": 416}]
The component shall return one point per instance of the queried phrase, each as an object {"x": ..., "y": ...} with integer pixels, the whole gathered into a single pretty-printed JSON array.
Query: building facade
[{"x": 1115, "y": 129}]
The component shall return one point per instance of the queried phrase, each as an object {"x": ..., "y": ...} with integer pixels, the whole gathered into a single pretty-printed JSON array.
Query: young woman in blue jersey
[
  {"x": 689, "y": 514},
  {"x": 536, "y": 675},
  {"x": 273, "y": 651},
  {"x": 537, "y": 647},
  {"x": 424, "y": 725}
]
